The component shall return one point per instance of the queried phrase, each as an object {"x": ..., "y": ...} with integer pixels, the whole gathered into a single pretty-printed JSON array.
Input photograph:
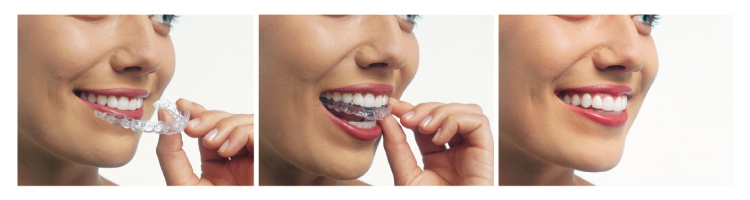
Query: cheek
[
  {"x": 650, "y": 68},
  {"x": 409, "y": 71},
  {"x": 167, "y": 68},
  {"x": 316, "y": 50}
]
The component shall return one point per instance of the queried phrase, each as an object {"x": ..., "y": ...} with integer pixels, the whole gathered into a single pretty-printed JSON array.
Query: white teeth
[
  {"x": 92, "y": 97},
  {"x": 576, "y": 100},
  {"x": 618, "y": 104},
  {"x": 596, "y": 102},
  {"x": 362, "y": 99},
  {"x": 133, "y": 104},
  {"x": 364, "y": 124},
  {"x": 378, "y": 101},
  {"x": 337, "y": 96},
  {"x": 123, "y": 103},
  {"x": 586, "y": 100},
  {"x": 357, "y": 99},
  {"x": 112, "y": 102},
  {"x": 101, "y": 100},
  {"x": 369, "y": 100},
  {"x": 346, "y": 97},
  {"x": 608, "y": 104}
]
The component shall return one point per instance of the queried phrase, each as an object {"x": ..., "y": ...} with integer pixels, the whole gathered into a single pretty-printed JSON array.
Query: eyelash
[
  {"x": 410, "y": 18},
  {"x": 649, "y": 20},
  {"x": 167, "y": 20}
]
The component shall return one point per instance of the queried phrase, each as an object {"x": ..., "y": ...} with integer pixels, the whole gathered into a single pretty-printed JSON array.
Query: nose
[
  {"x": 621, "y": 50},
  {"x": 137, "y": 53},
  {"x": 385, "y": 46}
]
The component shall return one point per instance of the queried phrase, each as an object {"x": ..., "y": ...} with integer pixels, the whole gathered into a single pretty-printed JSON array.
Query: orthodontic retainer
[
  {"x": 368, "y": 113},
  {"x": 181, "y": 118}
]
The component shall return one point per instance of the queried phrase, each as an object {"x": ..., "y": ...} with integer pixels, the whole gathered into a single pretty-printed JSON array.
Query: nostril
[
  {"x": 133, "y": 68},
  {"x": 615, "y": 67},
  {"x": 378, "y": 65}
]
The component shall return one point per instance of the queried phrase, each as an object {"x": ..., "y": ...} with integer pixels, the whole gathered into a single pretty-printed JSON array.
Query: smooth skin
[
  {"x": 463, "y": 127},
  {"x": 541, "y": 140},
  {"x": 226, "y": 157},
  {"x": 304, "y": 56},
  {"x": 60, "y": 141}
]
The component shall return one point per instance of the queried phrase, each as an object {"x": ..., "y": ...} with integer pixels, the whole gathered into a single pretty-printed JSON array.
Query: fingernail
[
  {"x": 425, "y": 121},
  {"x": 211, "y": 134},
  {"x": 224, "y": 146},
  {"x": 188, "y": 101},
  {"x": 437, "y": 134},
  {"x": 394, "y": 99},
  {"x": 408, "y": 115},
  {"x": 194, "y": 122}
]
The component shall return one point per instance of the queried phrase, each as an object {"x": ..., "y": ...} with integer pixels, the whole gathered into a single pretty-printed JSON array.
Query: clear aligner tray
[
  {"x": 369, "y": 113},
  {"x": 181, "y": 118}
]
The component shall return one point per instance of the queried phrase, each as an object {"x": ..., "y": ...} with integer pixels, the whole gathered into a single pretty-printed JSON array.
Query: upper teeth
[
  {"x": 120, "y": 103},
  {"x": 362, "y": 99},
  {"x": 598, "y": 101}
]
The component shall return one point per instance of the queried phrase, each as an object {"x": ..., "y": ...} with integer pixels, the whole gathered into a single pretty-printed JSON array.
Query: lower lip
[
  {"x": 358, "y": 133},
  {"x": 601, "y": 118},
  {"x": 135, "y": 114}
]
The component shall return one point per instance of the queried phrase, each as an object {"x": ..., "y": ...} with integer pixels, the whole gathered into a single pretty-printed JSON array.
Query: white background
[
  {"x": 683, "y": 133},
  {"x": 457, "y": 64},
  {"x": 215, "y": 60}
]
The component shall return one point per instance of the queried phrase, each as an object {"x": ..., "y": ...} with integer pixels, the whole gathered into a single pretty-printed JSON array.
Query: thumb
[
  {"x": 400, "y": 157},
  {"x": 172, "y": 158}
]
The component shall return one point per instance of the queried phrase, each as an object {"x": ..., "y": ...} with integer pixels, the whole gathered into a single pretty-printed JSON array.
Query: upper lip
[
  {"x": 375, "y": 88},
  {"x": 120, "y": 92},
  {"x": 614, "y": 90}
]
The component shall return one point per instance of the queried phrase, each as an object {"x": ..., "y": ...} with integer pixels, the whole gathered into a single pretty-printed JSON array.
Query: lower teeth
[
  {"x": 609, "y": 112},
  {"x": 368, "y": 113},
  {"x": 179, "y": 124}
]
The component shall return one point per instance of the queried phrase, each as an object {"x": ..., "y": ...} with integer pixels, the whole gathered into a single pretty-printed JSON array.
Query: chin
[
  {"x": 343, "y": 169},
  {"x": 350, "y": 171},
  {"x": 600, "y": 161}
]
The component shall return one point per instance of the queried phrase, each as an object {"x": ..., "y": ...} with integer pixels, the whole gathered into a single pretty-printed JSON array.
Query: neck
[
  {"x": 37, "y": 166},
  {"x": 517, "y": 167},
  {"x": 274, "y": 170}
]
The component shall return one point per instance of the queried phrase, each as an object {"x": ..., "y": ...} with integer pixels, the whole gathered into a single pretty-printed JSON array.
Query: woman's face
[
  {"x": 61, "y": 58},
  {"x": 603, "y": 64},
  {"x": 301, "y": 58}
]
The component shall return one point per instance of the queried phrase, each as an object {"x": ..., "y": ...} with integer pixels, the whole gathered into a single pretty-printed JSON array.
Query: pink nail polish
[
  {"x": 408, "y": 115},
  {"x": 194, "y": 122},
  {"x": 425, "y": 121},
  {"x": 224, "y": 146},
  {"x": 211, "y": 134},
  {"x": 437, "y": 134}
]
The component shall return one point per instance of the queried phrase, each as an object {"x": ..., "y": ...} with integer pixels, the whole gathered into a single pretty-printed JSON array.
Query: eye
[
  {"x": 644, "y": 23},
  {"x": 649, "y": 20},
  {"x": 409, "y": 18},
  {"x": 165, "y": 19},
  {"x": 407, "y": 22}
]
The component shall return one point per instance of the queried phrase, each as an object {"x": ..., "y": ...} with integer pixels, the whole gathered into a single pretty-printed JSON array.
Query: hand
[
  {"x": 469, "y": 161},
  {"x": 231, "y": 134}
]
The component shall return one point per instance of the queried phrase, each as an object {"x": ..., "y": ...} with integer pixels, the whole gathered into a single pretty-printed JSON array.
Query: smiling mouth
[
  {"x": 358, "y": 109},
  {"x": 119, "y": 100},
  {"x": 602, "y": 103},
  {"x": 113, "y": 101}
]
